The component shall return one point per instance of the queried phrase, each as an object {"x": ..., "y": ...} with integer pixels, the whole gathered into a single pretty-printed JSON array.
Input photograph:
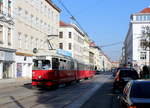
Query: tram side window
[
  {"x": 63, "y": 64},
  {"x": 72, "y": 65},
  {"x": 55, "y": 63}
]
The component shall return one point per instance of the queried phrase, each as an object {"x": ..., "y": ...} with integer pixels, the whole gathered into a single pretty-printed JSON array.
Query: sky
[{"x": 105, "y": 21}]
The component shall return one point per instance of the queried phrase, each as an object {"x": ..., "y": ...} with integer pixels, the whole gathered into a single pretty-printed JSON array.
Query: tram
[{"x": 54, "y": 70}]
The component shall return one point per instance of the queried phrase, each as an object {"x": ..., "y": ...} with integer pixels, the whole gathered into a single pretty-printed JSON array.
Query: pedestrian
[{"x": 145, "y": 72}]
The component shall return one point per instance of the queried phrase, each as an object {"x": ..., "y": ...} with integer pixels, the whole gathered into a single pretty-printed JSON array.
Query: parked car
[
  {"x": 124, "y": 75},
  {"x": 136, "y": 94},
  {"x": 114, "y": 70}
]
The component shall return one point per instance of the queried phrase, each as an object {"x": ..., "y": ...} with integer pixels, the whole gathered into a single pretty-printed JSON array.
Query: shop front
[
  {"x": 7, "y": 62},
  {"x": 23, "y": 65}
]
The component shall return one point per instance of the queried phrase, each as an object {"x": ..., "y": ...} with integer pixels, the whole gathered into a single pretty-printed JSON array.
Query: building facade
[
  {"x": 81, "y": 47},
  {"x": 35, "y": 24},
  {"x": 105, "y": 62},
  {"x": 7, "y": 52},
  {"x": 134, "y": 53},
  {"x": 72, "y": 39}
]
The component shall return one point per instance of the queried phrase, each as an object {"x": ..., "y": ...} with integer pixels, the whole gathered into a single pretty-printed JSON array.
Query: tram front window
[{"x": 41, "y": 65}]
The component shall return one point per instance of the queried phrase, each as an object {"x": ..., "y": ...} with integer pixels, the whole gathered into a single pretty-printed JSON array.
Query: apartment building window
[
  {"x": 41, "y": 21},
  {"x": 143, "y": 55},
  {"x": 45, "y": 10},
  {"x": 48, "y": 28},
  {"x": 142, "y": 41},
  {"x": 61, "y": 45},
  {"x": 32, "y": 18},
  {"x": 41, "y": 44},
  {"x": 19, "y": 39},
  {"x": 69, "y": 46},
  {"x": 60, "y": 34},
  {"x": 26, "y": 41},
  {"x": 1, "y": 6},
  {"x": 36, "y": 43},
  {"x": 37, "y": 20},
  {"x": 9, "y": 7},
  {"x": 1, "y": 34},
  {"x": 49, "y": 12},
  {"x": 9, "y": 36},
  {"x": 70, "y": 34},
  {"x": 26, "y": 15},
  {"x": 19, "y": 11},
  {"x": 31, "y": 43}
]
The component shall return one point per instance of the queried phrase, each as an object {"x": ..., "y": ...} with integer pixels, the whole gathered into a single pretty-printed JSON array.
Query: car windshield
[
  {"x": 141, "y": 90},
  {"x": 129, "y": 73}
]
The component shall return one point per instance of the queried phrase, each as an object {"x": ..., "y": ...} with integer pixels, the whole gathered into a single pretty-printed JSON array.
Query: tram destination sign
[{"x": 41, "y": 57}]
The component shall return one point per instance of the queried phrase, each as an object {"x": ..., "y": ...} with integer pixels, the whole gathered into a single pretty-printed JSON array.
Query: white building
[
  {"x": 71, "y": 39},
  {"x": 7, "y": 52},
  {"x": 33, "y": 24},
  {"x": 105, "y": 62},
  {"x": 134, "y": 53},
  {"x": 81, "y": 47}
]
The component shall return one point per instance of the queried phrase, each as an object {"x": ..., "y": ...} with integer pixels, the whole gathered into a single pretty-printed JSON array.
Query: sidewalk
[{"x": 6, "y": 83}]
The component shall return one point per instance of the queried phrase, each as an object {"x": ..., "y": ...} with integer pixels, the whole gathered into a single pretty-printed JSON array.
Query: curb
[{"x": 13, "y": 83}]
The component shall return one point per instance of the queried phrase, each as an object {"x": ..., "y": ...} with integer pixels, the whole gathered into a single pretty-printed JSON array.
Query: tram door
[{"x": 55, "y": 63}]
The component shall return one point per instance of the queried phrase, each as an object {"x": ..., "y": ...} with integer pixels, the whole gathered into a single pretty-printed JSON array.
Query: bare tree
[{"x": 145, "y": 40}]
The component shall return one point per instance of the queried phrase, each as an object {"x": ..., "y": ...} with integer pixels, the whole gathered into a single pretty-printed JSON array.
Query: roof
[
  {"x": 53, "y": 5},
  {"x": 146, "y": 10},
  {"x": 61, "y": 23},
  {"x": 141, "y": 81}
]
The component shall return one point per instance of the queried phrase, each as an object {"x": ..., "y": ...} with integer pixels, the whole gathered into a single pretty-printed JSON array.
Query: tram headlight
[{"x": 39, "y": 77}]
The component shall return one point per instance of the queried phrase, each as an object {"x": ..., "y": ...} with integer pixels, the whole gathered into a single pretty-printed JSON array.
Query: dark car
[
  {"x": 124, "y": 75},
  {"x": 114, "y": 70},
  {"x": 136, "y": 94},
  {"x": 98, "y": 71}
]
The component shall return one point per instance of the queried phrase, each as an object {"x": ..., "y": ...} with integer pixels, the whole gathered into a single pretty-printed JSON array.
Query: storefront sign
[
  {"x": 9, "y": 56},
  {"x": 41, "y": 57}
]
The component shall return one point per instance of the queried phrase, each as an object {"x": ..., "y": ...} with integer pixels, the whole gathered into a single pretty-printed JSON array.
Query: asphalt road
[
  {"x": 64, "y": 97},
  {"x": 103, "y": 98}
]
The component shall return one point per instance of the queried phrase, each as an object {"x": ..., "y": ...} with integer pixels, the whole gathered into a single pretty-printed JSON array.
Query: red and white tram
[{"x": 54, "y": 70}]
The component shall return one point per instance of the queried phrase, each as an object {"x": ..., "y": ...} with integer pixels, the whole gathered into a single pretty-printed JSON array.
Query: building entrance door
[
  {"x": 6, "y": 66},
  {"x": 19, "y": 70}
]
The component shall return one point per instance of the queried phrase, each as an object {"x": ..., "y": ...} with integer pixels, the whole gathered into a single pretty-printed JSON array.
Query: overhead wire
[
  {"x": 72, "y": 16},
  {"x": 116, "y": 43}
]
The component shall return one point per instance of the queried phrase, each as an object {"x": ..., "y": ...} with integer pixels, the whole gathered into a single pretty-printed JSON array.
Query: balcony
[{"x": 6, "y": 17}]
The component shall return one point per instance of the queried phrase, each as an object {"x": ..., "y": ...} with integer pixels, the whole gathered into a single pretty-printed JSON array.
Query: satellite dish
[{"x": 35, "y": 50}]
